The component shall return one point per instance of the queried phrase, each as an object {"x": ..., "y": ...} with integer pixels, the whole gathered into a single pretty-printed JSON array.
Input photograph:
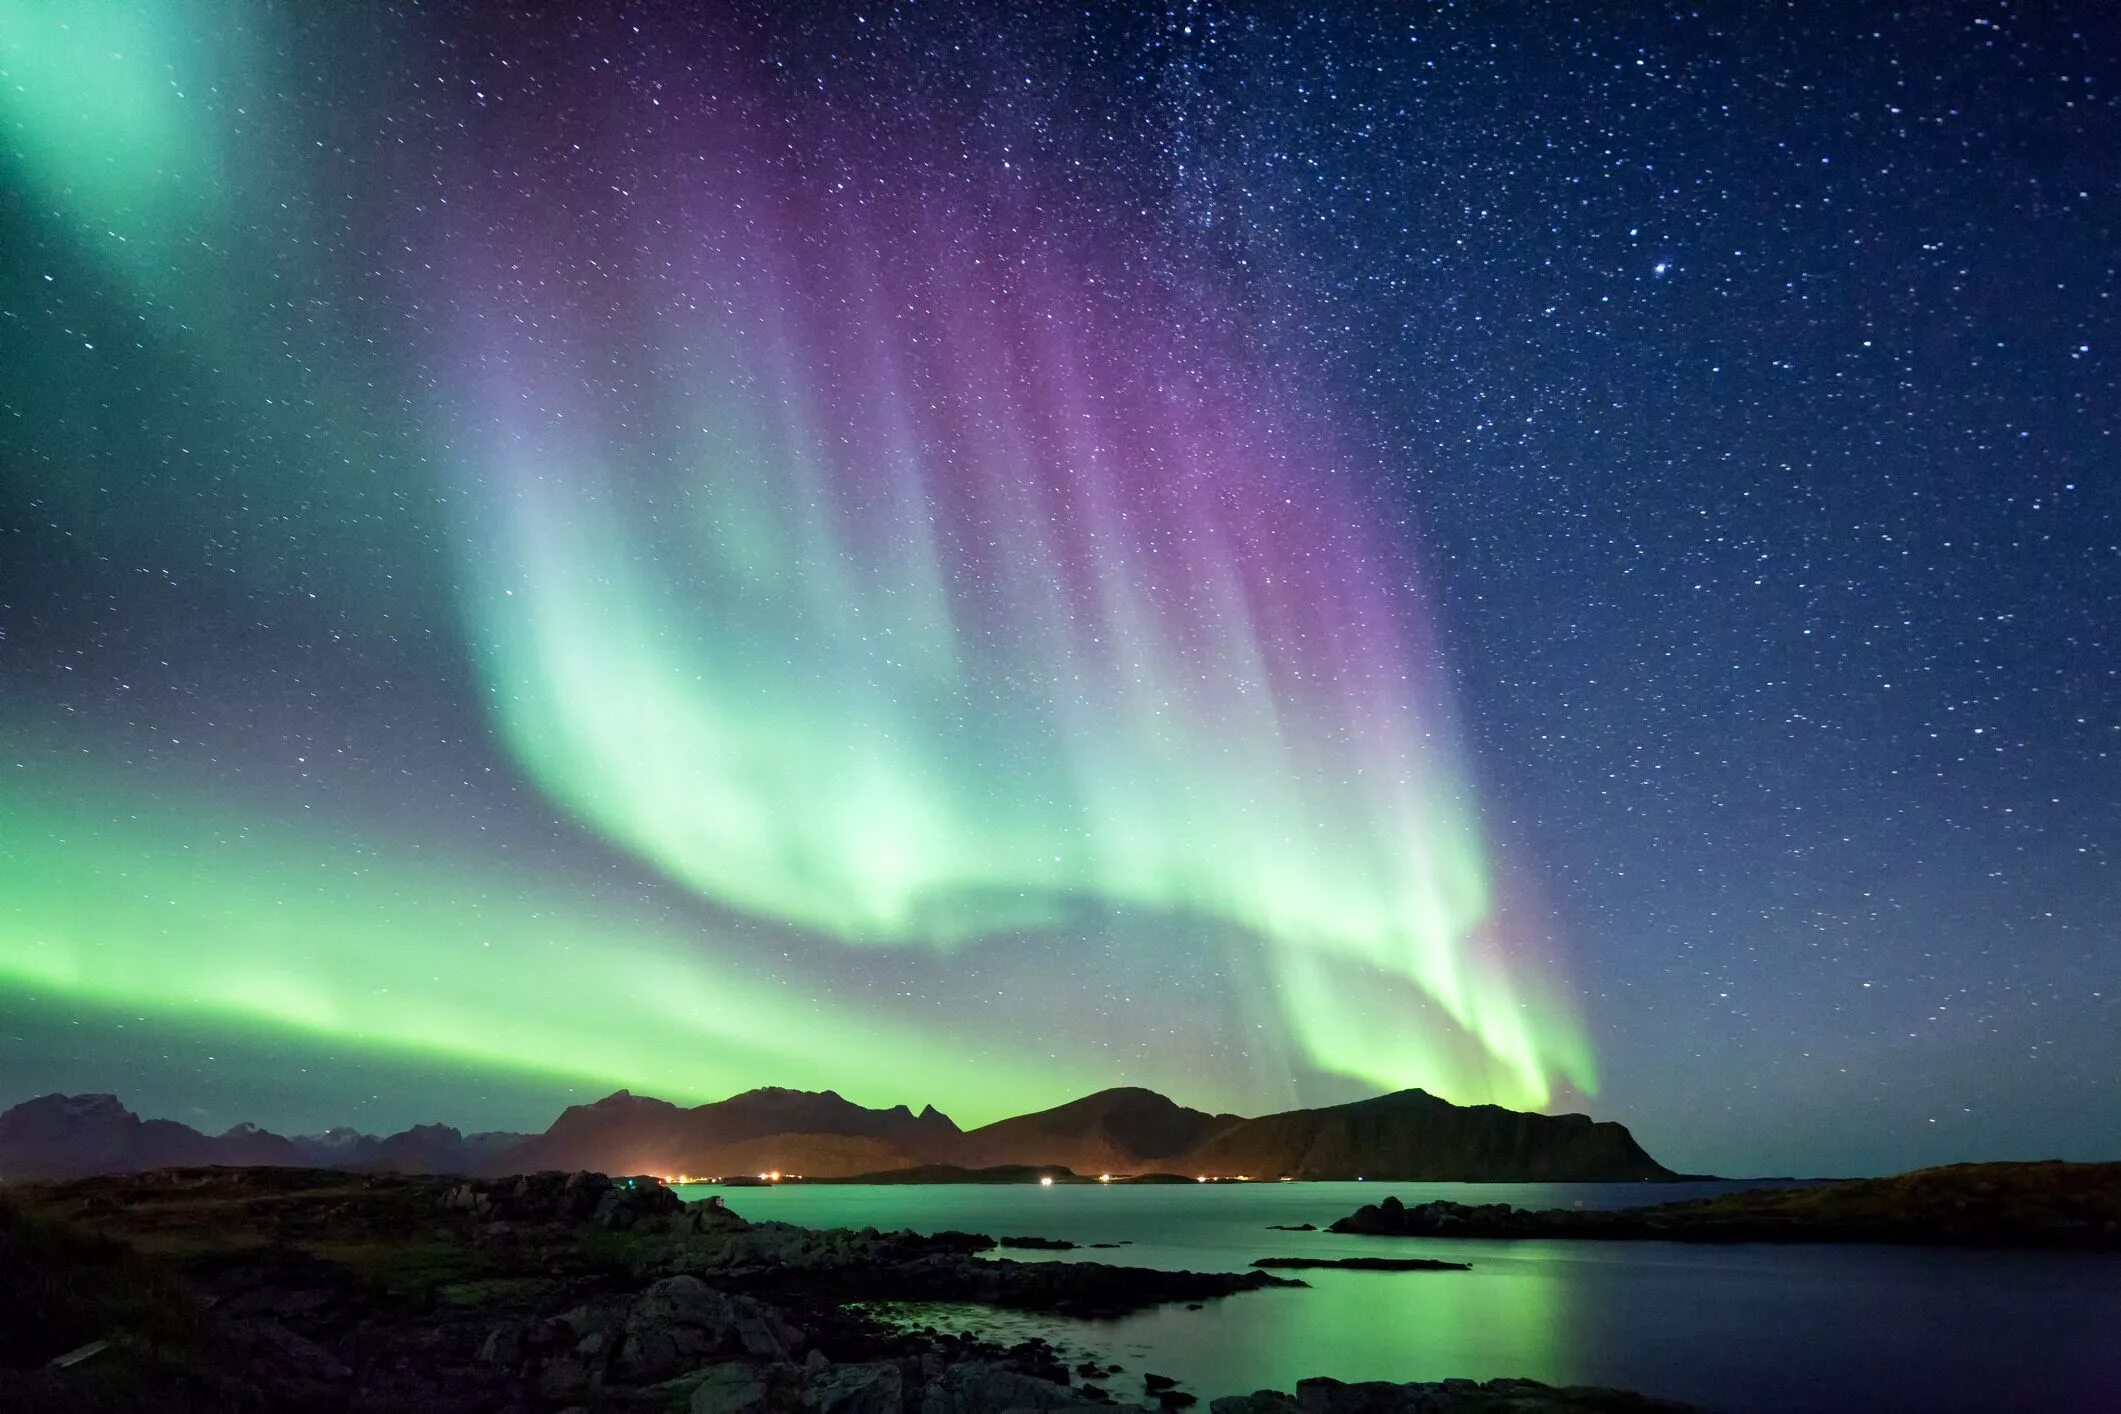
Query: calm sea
[{"x": 1745, "y": 1329}]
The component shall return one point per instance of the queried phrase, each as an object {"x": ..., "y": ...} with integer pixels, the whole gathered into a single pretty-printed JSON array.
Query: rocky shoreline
[{"x": 268, "y": 1289}]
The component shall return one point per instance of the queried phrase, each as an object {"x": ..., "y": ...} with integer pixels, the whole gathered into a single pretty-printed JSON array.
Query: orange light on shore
[{"x": 1104, "y": 1178}]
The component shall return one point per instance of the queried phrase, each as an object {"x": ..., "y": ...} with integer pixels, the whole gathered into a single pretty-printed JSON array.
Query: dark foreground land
[
  {"x": 2053, "y": 1204},
  {"x": 280, "y": 1289}
]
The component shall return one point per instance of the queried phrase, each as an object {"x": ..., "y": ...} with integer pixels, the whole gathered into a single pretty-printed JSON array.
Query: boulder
[
  {"x": 762, "y": 1334},
  {"x": 732, "y": 1389},
  {"x": 977, "y": 1387},
  {"x": 503, "y": 1346},
  {"x": 682, "y": 1300},
  {"x": 563, "y": 1376},
  {"x": 1323, "y": 1396},
  {"x": 872, "y": 1388},
  {"x": 1265, "y": 1401},
  {"x": 674, "y": 1324}
]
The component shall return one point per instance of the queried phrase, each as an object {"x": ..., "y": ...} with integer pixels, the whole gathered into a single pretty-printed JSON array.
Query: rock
[
  {"x": 504, "y": 1346},
  {"x": 631, "y": 1201},
  {"x": 584, "y": 1319},
  {"x": 650, "y": 1355},
  {"x": 731, "y": 1389},
  {"x": 1036, "y": 1244},
  {"x": 706, "y": 1217},
  {"x": 1154, "y": 1382},
  {"x": 2046, "y": 1204},
  {"x": 550, "y": 1333},
  {"x": 563, "y": 1375},
  {"x": 677, "y": 1322},
  {"x": 873, "y": 1388},
  {"x": 682, "y": 1300},
  {"x": 288, "y": 1354},
  {"x": 1265, "y": 1401},
  {"x": 763, "y": 1334},
  {"x": 1088, "y": 1289},
  {"x": 1322, "y": 1396},
  {"x": 978, "y": 1387}
]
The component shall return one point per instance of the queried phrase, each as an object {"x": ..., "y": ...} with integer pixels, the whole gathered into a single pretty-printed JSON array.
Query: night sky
[{"x": 1563, "y": 557}]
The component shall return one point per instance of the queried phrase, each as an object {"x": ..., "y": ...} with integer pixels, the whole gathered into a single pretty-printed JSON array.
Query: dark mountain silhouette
[
  {"x": 424, "y": 1148},
  {"x": 61, "y": 1136},
  {"x": 794, "y": 1131},
  {"x": 66, "y": 1136},
  {"x": 1410, "y": 1135},
  {"x": 1127, "y": 1130}
]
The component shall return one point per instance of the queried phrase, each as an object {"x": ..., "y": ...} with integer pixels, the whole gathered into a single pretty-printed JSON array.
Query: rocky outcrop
[
  {"x": 2051, "y": 1204},
  {"x": 1446, "y": 1397},
  {"x": 985, "y": 1387},
  {"x": 580, "y": 1197},
  {"x": 1392, "y": 1218},
  {"x": 906, "y": 1266}
]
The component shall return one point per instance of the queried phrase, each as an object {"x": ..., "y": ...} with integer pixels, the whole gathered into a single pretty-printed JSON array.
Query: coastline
[{"x": 235, "y": 1288}]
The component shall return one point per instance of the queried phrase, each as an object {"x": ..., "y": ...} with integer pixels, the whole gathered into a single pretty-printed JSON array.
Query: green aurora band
[
  {"x": 999, "y": 628},
  {"x": 177, "y": 907}
]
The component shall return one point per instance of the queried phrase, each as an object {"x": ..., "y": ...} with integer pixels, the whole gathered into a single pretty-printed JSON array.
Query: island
[{"x": 2046, "y": 1204}]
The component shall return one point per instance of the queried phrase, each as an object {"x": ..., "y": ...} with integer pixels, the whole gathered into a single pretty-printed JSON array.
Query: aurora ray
[
  {"x": 923, "y": 585},
  {"x": 924, "y": 589}
]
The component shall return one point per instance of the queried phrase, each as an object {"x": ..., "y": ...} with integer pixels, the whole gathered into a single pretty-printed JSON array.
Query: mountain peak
[{"x": 1407, "y": 1135}]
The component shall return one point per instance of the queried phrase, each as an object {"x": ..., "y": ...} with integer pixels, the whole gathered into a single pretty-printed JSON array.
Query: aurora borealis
[
  {"x": 1030, "y": 640},
  {"x": 959, "y": 562},
  {"x": 877, "y": 581}
]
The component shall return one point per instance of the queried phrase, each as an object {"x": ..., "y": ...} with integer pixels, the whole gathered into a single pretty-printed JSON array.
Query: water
[{"x": 1750, "y": 1329}]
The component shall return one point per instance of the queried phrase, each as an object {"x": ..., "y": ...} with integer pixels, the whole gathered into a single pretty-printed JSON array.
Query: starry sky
[{"x": 1273, "y": 553}]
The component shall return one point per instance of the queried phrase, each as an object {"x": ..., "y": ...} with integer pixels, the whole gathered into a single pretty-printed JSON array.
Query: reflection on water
[{"x": 1740, "y": 1328}]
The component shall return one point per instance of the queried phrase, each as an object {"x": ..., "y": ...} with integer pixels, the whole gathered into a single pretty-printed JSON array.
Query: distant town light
[
  {"x": 1104, "y": 1178},
  {"x": 1046, "y": 1181}
]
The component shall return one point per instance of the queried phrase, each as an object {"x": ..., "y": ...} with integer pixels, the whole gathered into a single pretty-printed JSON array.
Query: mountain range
[{"x": 1407, "y": 1135}]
